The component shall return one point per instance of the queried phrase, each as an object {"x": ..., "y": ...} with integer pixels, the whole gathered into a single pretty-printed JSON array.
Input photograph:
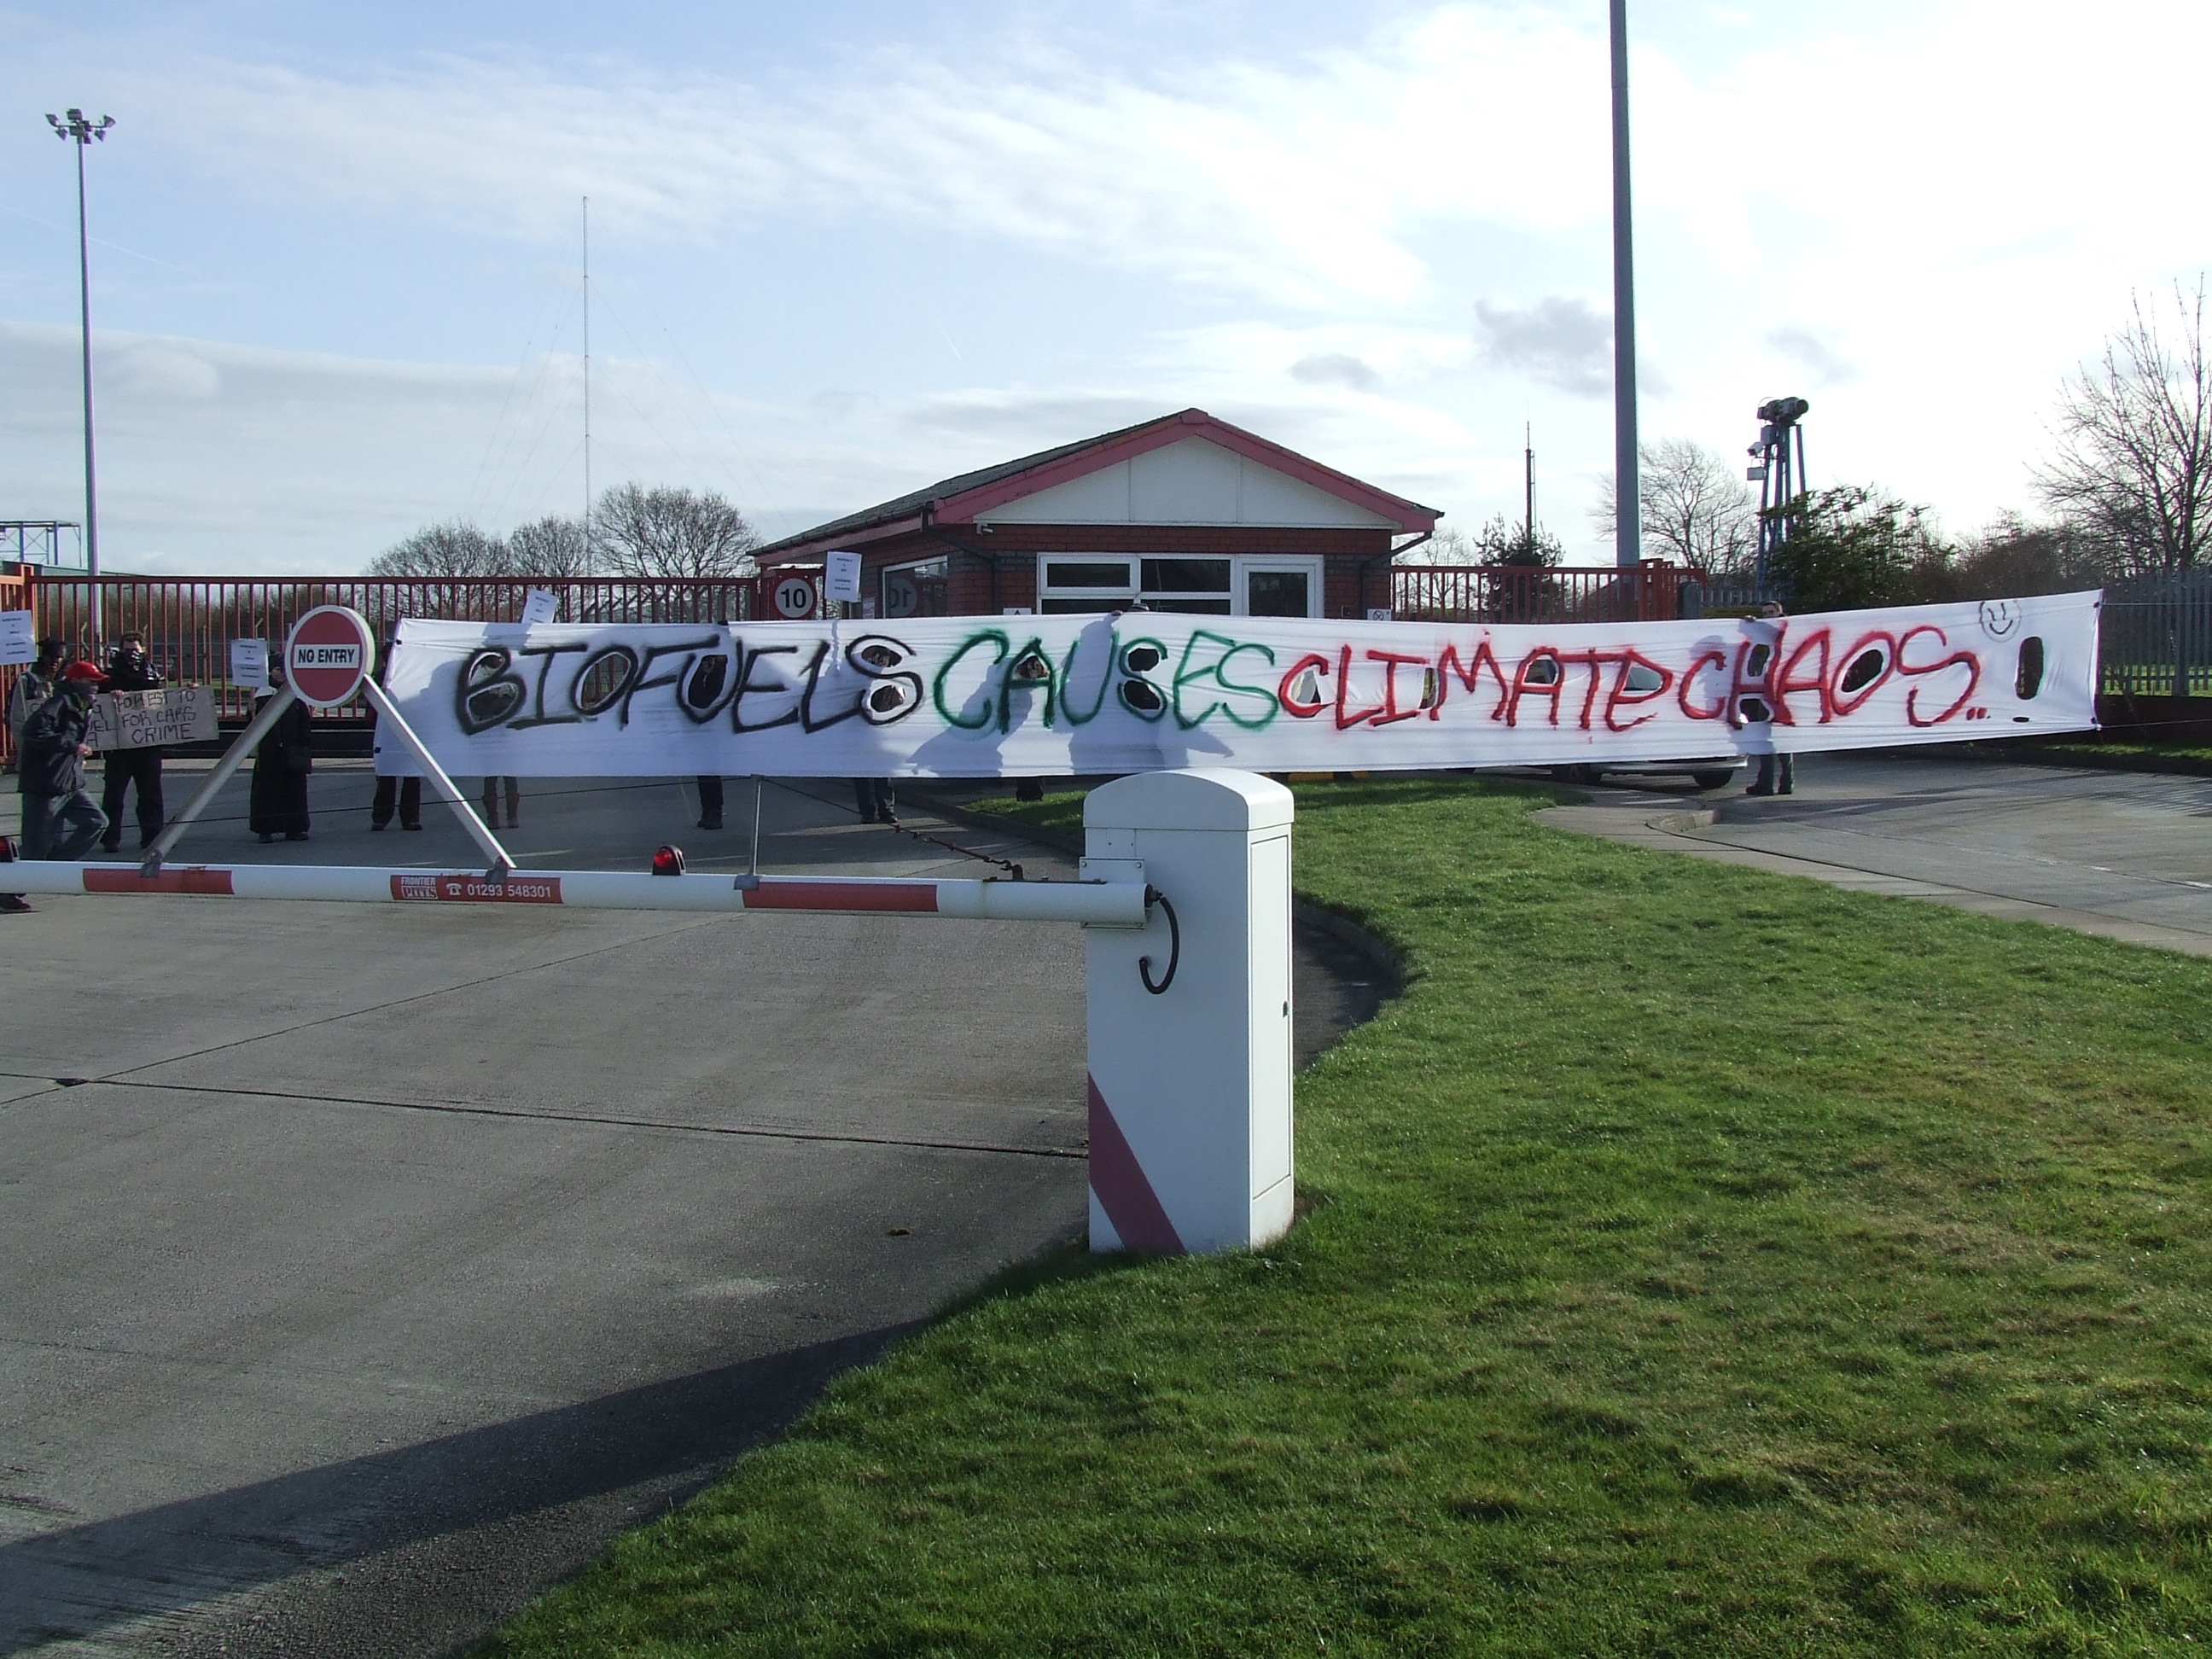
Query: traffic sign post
[
  {"x": 794, "y": 597},
  {"x": 329, "y": 659},
  {"x": 330, "y": 653}
]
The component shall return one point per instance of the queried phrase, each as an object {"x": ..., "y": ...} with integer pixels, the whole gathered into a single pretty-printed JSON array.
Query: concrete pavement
[
  {"x": 368, "y": 1268},
  {"x": 2125, "y": 856}
]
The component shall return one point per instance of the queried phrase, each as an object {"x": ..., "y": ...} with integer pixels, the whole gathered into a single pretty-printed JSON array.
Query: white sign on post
[
  {"x": 18, "y": 641},
  {"x": 841, "y": 577},
  {"x": 540, "y": 606},
  {"x": 249, "y": 664}
]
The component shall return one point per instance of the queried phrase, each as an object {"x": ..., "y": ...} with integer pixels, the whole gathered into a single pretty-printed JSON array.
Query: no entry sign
[{"x": 330, "y": 653}]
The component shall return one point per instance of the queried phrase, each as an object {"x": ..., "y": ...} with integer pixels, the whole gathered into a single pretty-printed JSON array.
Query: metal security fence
[
  {"x": 2157, "y": 635},
  {"x": 1522, "y": 593},
  {"x": 190, "y": 622}
]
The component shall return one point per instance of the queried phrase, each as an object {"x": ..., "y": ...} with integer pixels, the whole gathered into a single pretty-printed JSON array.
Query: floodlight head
[{"x": 1782, "y": 411}]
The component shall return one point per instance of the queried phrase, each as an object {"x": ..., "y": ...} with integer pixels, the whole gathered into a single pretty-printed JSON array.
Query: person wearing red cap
[{"x": 50, "y": 772}]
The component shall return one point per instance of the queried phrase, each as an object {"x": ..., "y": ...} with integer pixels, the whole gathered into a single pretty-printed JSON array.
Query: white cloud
[
  {"x": 1910, "y": 211},
  {"x": 1303, "y": 186}
]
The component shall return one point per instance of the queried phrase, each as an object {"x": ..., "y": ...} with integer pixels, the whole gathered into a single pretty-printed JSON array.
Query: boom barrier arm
[{"x": 1119, "y": 903}]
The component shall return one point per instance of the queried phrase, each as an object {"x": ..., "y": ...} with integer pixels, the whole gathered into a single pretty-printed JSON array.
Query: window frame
[
  {"x": 942, "y": 561},
  {"x": 1241, "y": 565}
]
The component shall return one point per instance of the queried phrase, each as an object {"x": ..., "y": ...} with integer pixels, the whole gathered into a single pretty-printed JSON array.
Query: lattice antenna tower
[{"x": 1778, "y": 467}]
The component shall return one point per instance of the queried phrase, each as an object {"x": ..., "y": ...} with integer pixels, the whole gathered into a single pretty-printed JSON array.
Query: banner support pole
[
  {"x": 233, "y": 757},
  {"x": 380, "y": 701},
  {"x": 752, "y": 864}
]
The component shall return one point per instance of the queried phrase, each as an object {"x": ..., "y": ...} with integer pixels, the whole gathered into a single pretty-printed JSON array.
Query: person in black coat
[
  {"x": 50, "y": 772},
  {"x": 130, "y": 669},
  {"x": 278, "y": 805}
]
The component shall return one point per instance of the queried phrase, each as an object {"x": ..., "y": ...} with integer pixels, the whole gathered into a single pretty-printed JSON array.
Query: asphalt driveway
[
  {"x": 368, "y": 1268},
  {"x": 2124, "y": 854}
]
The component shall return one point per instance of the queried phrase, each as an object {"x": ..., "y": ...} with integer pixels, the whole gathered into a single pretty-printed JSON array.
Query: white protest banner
[
  {"x": 19, "y": 643},
  {"x": 974, "y": 696},
  {"x": 249, "y": 664},
  {"x": 144, "y": 720},
  {"x": 539, "y": 606}
]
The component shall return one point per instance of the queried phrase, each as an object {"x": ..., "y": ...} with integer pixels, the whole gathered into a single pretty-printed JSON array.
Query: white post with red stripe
[{"x": 1190, "y": 1086}]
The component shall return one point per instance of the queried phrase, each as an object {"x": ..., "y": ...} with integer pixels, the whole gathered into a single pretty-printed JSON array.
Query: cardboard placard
[{"x": 145, "y": 720}]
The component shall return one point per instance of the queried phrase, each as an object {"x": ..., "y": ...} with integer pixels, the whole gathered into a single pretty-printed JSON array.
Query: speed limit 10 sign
[
  {"x": 794, "y": 597},
  {"x": 330, "y": 653}
]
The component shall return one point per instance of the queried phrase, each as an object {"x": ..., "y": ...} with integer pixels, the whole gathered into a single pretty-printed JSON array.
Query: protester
[
  {"x": 491, "y": 790},
  {"x": 278, "y": 803},
  {"x": 51, "y": 774},
  {"x": 1769, "y": 771},
  {"x": 877, "y": 800},
  {"x": 130, "y": 669},
  {"x": 710, "y": 802},
  {"x": 402, "y": 787},
  {"x": 32, "y": 687}
]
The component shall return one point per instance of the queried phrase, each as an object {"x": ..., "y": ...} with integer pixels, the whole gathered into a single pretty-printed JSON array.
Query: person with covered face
[
  {"x": 130, "y": 669},
  {"x": 61, "y": 820}
]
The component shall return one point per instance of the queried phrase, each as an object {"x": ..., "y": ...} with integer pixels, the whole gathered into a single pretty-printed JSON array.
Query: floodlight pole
[
  {"x": 588, "y": 564},
  {"x": 84, "y": 130},
  {"x": 1628, "y": 515}
]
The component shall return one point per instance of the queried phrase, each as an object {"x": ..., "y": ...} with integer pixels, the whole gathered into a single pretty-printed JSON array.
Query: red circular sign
[{"x": 330, "y": 653}]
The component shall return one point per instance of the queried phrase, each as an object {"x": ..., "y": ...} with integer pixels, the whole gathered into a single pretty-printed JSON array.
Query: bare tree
[
  {"x": 1445, "y": 547},
  {"x": 551, "y": 546},
  {"x": 2133, "y": 470},
  {"x": 673, "y": 533},
  {"x": 456, "y": 548},
  {"x": 1693, "y": 506}
]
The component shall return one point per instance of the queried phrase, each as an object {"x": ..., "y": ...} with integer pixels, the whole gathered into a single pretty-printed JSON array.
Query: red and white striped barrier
[{"x": 1100, "y": 903}]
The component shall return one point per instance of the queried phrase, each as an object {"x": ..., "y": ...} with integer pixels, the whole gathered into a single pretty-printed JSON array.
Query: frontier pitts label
[{"x": 517, "y": 888}]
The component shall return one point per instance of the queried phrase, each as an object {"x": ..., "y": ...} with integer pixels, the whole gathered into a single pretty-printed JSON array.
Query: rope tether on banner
[{"x": 1153, "y": 896}]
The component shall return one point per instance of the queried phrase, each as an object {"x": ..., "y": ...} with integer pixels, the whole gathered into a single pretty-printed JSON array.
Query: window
[
  {"x": 1189, "y": 584},
  {"x": 917, "y": 590}
]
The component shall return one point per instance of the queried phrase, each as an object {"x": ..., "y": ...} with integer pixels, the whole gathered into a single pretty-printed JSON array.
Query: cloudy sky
[{"x": 839, "y": 250}]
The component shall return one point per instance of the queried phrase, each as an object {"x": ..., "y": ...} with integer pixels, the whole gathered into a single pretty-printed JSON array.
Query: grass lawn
[{"x": 1705, "y": 1263}]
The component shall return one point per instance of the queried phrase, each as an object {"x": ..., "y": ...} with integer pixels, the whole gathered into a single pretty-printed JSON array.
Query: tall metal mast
[
  {"x": 1529, "y": 483},
  {"x": 1628, "y": 520},
  {"x": 84, "y": 130},
  {"x": 587, "y": 380}
]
